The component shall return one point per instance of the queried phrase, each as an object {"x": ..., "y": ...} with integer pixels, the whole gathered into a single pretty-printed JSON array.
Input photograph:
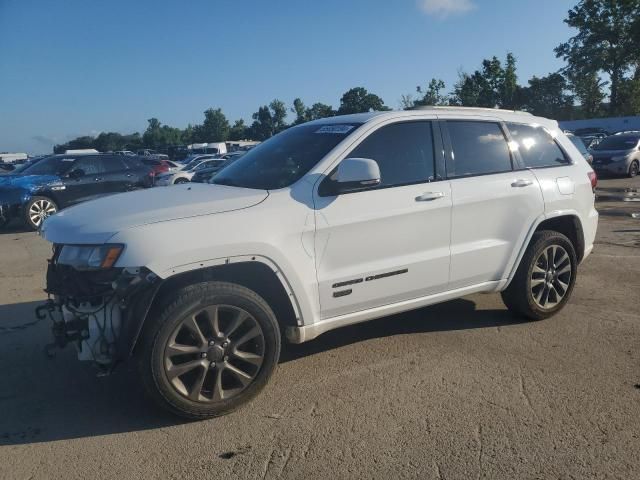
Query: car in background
[
  {"x": 204, "y": 175},
  {"x": 185, "y": 174},
  {"x": 160, "y": 166},
  {"x": 47, "y": 185},
  {"x": 126, "y": 153},
  {"x": 618, "y": 154},
  {"x": 582, "y": 148}
]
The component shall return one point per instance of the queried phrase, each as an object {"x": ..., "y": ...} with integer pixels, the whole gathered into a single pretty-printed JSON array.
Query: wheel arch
[
  {"x": 255, "y": 273},
  {"x": 567, "y": 222}
]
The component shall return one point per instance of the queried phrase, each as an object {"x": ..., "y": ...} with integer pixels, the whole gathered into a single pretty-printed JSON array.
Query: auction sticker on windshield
[{"x": 340, "y": 129}]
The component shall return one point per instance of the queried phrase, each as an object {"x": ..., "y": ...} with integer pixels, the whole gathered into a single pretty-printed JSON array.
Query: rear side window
[
  {"x": 113, "y": 164},
  {"x": 479, "y": 148},
  {"x": 89, "y": 165},
  {"x": 537, "y": 148},
  {"x": 404, "y": 152}
]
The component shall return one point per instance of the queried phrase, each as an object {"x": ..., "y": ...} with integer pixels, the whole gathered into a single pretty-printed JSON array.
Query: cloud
[{"x": 445, "y": 8}]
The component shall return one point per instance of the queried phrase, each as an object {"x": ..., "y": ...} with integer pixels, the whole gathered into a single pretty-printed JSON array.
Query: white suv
[{"x": 327, "y": 224}]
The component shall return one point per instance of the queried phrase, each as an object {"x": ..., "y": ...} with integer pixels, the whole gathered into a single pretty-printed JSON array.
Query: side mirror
[
  {"x": 357, "y": 173},
  {"x": 76, "y": 174}
]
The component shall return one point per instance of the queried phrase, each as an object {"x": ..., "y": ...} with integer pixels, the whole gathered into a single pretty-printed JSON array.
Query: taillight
[{"x": 594, "y": 180}]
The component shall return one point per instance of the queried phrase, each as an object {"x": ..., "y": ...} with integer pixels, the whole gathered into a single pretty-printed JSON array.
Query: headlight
[{"x": 90, "y": 257}]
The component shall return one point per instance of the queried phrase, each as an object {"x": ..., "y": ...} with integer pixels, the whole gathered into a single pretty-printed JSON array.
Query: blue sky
[{"x": 76, "y": 67}]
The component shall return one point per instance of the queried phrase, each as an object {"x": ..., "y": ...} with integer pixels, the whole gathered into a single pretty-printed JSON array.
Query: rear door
[
  {"x": 494, "y": 201},
  {"x": 84, "y": 180},
  {"x": 116, "y": 175},
  {"x": 388, "y": 243}
]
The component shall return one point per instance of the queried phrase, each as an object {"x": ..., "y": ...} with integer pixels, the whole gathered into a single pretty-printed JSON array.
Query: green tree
[
  {"x": 215, "y": 127},
  {"x": 588, "y": 89},
  {"x": 509, "y": 89},
  {"x": 268, "y": 120},
  {"x": 300, "y": 110},
  {"x": 320, "y": 110},
  {"x": 431, "y": 95},
  {"x": 152, "y": 135},
  {"x": 608, "y": 40},
  {"x": 238, "y": 131},
  {"x": 85, "y": 141},
  {"x": 278, "y": 115},
  {"x": 358, "y": 100},
  {"x": 548, "y": 97},
  {"x": 466, "y": 92}
]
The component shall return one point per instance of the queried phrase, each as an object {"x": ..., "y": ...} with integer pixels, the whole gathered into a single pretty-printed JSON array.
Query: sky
[{"x": 80, "y": 67}]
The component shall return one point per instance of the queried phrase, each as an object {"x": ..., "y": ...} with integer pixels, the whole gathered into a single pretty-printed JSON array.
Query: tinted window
[
  {"x": 48, "y": 166},
  {"x": 89, "y": 165},
  {"x": 404, "y": 152},
  {"x": 537, "y": 148},
  {"x": 286, "y": 157},
  {"x": 618, "y": 142},
  {"x": 113, "y": 164},
  {"x": 478, "y": 148}
]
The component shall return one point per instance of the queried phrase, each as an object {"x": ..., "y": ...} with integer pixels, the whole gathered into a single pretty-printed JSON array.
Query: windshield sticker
[{"x": 339, "y": 129}]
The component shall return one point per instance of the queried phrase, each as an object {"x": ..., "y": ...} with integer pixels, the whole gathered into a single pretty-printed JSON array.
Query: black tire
[
  {"x": 634, "y": 168},
  {"x": 180, "y": 180},
  {"x": 41, "y": 204},
  {"x": 160, "y": 330},
  {"x": 519, "y": 297}
]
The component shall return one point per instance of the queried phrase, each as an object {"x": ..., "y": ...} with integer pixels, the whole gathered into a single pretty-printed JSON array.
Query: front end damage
[{"x": 100, "y": 312}]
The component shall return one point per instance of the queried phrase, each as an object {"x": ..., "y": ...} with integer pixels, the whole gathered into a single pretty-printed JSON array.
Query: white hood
[{"x": 96, "y": 221}]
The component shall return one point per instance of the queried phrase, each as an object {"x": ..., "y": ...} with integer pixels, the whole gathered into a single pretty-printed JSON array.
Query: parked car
[
  {"x": 618, "y": 154},
  {"x": 126, "y": 153},
  {"x": 577, "y": 141},
  {"x": 160, "y": 166},
  {"x": 326, "y": 224},
  {"x": 185, "y": 174},
  {"x": 45, "y": 186},
  {"x": 206, "y": 174}
]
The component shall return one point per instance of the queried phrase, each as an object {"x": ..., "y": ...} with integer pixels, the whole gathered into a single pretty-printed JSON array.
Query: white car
[
  {"x": 184, "y": 174},
  {"x": 329, "y": 223}
]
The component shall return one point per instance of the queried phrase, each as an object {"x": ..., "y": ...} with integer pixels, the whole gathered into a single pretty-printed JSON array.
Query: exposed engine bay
[{"x": 98, "y": 311}]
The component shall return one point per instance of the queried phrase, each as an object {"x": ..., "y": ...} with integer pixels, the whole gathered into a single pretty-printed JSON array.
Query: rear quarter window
[
  {"x": 536, "y": 146},
  {"x": 478, "y": 148}
]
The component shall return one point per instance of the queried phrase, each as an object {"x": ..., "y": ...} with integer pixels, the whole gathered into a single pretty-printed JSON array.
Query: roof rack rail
[{"x": 473, "y": 109}]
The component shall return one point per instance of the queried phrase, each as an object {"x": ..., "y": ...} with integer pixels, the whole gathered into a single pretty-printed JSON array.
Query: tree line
[{"x": 606, "y": 45}]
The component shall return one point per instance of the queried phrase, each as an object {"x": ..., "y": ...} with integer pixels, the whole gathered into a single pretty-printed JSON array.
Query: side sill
[{"x": 309, "y": 332}]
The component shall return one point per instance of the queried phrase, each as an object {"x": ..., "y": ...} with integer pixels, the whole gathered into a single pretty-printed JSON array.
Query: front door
[
  {"x": 83, "y": 181},
  {"x": 391, "y": 242}
]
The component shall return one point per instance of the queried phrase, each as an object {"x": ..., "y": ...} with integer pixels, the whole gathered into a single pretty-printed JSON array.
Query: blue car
[{"x": 39, "y": 189}]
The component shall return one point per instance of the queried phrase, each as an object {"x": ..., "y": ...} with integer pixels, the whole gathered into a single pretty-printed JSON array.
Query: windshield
[
  {"x": 284, "y": 158},
  {"x": 618, "y": 142},
  {"x": 48, "y": 166}
]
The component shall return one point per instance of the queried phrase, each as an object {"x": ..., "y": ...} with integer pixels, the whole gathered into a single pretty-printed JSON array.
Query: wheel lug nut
[
  {"x": 211, "y": 343},
  {"x": 212, "y": 365},
  {"x": 225, "y": 344},
  {"x": 203, "y": 355},
  {"x": 226, "y": 358}
]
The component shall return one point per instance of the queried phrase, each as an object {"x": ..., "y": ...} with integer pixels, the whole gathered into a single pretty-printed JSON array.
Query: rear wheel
[
  {"x": 545, "y": 277},
  {"x": 633, "y": 169},
  {"x": 210, "y": 350},
  {"x": 37, "y": 210},
  {"x": 180, "y": 180}
]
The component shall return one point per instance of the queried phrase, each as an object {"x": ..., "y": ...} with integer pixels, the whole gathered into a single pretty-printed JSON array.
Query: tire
[
  {"x": 37, "y": 210},
  {"x": 213, "y": 387},
  {"x": 180, "y": 180},
  {"x": 521, "y": 296},
  {"x": 634, "y": 168}
]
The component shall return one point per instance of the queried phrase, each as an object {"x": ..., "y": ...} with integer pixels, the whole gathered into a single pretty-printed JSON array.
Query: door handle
[
  {"x": 429, "y": 196},
  {"x": 522, "y": 183},
  {"x": 98, "y": 179}
]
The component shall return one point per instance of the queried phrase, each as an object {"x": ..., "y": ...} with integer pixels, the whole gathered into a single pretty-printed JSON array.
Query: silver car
[{"x": 618, "y": 154}]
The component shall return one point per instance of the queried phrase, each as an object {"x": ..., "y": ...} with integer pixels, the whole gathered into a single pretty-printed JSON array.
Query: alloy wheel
[
  {"x": 551, "y": 277},
  {"x": 214, "y": 354},
  {"x": 39, "y": 210}
]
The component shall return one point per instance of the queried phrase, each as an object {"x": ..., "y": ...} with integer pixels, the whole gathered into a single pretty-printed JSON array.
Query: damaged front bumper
[{"x": 100, "y": 312}]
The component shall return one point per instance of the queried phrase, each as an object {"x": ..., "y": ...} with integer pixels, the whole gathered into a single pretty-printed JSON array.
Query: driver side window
[
  {"x": 89, "y": 165},
  {"x": 404, "y": 152}
]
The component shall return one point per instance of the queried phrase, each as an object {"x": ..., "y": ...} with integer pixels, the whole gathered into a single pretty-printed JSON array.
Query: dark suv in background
[{"x": 39, "y": 190}]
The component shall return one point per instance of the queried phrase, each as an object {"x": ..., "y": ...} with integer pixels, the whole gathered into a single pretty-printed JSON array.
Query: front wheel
[
  {"x": 211, "y": 349},
  {"x": 545, "y": 277},
  {"x": 37, "y": 210},
  {"x": 633, "y": 169},
  {"x": 180, "y": 180}
]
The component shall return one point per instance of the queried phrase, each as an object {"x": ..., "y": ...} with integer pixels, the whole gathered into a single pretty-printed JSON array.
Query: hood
[
  {"x": 98, "y": 220},
  {"x": 27, "y": 181}
]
